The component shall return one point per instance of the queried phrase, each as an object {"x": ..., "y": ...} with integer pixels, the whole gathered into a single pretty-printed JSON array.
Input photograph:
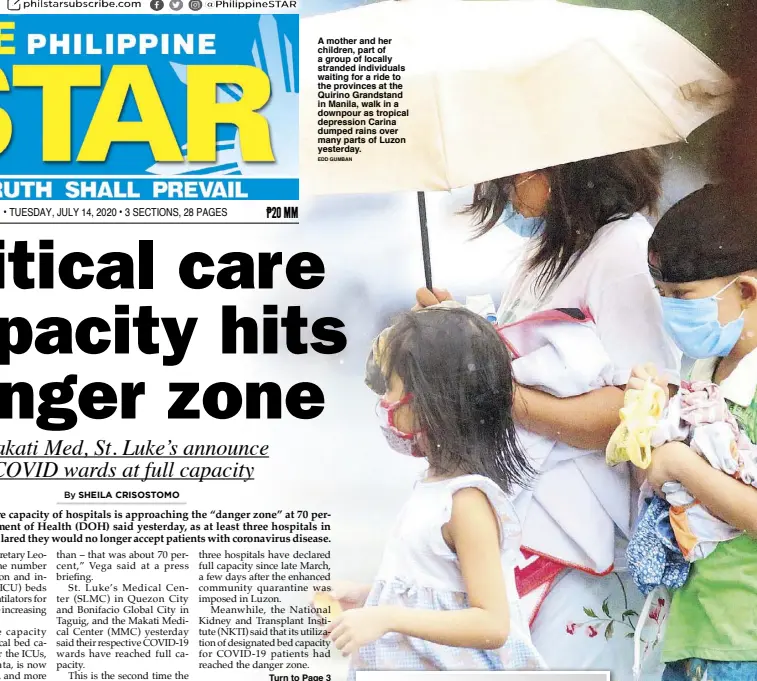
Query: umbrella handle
[{"x": 424, "y": 238}]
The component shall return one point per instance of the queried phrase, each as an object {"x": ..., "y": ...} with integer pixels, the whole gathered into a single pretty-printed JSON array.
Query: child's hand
[
  {"x": 666, "y": 462},
  {"x": 350, "y": 594},
  {"x": 358, "y": 627},
  {"x": 640, "y": 374}
]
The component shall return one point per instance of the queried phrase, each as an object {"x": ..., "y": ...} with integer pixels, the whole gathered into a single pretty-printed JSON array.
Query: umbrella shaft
[{"x": 424, "y": 239}]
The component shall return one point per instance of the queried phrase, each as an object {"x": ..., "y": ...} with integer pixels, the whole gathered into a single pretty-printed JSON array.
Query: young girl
[{"x": 444, "y": 597}]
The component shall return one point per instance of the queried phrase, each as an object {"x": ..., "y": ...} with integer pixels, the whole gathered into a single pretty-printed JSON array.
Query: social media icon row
[{"x": 175, "y": 5}]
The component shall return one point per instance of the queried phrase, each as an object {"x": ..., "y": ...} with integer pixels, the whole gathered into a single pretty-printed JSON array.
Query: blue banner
[
  {"x": 158, "y": 189},
  {"x": 151, "y": 96}
]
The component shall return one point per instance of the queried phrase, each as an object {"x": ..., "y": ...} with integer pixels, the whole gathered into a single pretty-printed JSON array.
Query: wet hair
[
  {"x": 458, "y": 371},
  {"x": 584, "y": 196}
]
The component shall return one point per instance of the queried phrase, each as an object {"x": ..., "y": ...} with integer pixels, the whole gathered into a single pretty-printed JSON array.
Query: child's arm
[
  {"x": 474, "y": 533},
  {"x": 729, "y": 499}
]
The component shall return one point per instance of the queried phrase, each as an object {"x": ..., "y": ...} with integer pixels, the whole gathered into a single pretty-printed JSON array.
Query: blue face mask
[
  {"x": 520, "y": 224},
  {"x": 693, "y": 325}
]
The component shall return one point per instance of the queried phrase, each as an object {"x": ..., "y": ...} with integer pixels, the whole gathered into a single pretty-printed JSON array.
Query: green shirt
[{"x": 714, "y": 615}]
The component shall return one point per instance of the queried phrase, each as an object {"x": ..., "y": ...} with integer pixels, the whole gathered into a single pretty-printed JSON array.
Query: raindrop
[
  {"x": 471, "y": 367},
  {"x": 483, "y": 422}
]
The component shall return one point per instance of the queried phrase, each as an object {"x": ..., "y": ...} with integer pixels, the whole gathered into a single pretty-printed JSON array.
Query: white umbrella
[{"x": 492, "y": 89}]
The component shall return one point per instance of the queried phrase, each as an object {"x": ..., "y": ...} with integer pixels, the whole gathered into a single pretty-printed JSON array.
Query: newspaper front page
[{"x": 209, "y": 210}]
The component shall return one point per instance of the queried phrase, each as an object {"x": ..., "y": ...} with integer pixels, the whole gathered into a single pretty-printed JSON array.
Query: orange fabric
[{"x": 680, "y": 523}]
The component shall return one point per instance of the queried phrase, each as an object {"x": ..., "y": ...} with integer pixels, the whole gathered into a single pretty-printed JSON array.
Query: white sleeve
[{"x": 628, "y": 316}]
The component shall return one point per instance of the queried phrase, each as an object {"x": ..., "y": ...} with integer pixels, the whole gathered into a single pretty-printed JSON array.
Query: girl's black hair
[
  {"x": 585, "y": 196},
  {"x": 458, "y": 371}
]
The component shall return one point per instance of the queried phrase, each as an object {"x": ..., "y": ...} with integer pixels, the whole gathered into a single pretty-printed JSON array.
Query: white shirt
[
  {"x": 420, "y": 571},
  {"x": 417, "y": 553},
  {"x": 611, "y": 279},
  {"x": 741, "y": 384}
]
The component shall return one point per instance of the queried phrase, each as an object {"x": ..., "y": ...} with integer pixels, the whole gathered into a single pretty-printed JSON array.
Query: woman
[{"x": 587, "y": 249}]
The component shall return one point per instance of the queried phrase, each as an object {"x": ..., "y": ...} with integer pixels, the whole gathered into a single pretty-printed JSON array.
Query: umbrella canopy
[{"x": 497, "y": 88}]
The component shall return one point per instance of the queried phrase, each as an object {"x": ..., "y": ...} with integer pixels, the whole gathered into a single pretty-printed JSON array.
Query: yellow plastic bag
[{"x": 641, "y": 411}]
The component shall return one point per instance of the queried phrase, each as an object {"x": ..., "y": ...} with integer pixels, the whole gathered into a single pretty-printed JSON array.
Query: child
[
  {"x": 703, "y": 257},
  {"x": 444, "y": 597}
]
